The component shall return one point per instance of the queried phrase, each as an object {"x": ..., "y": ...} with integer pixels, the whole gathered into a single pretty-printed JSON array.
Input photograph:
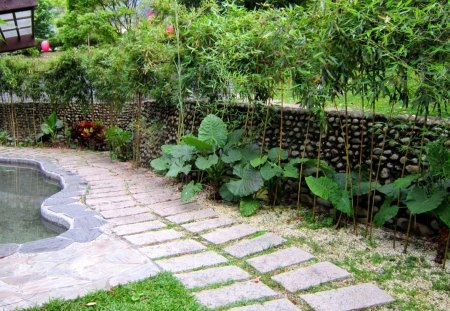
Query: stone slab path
[{"x": 148, "y": 230}]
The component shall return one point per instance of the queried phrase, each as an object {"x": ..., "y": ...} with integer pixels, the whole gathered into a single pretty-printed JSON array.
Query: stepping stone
[
  {"x": 314, "y": 275},
  {"x": 180, "y": 247},
  {"x": 191, "y": 216},
  {"x": 355, "y": 297},
  {"x": 131, "y": 219},
  {"x": 203, "y": 225},
  {"x": 114, "y": 205},
  {"x": 224, "y": 235},
  {"x": 174, "y": 208},
  {"x": 273, "y": 305},
  {"x": 256, "y": 245},
  {"x": 139, "y": 227},
  {"x": 214, "y": 298},
  {"x": 190, "y": 262},
  {"x": 122, "y": 212},
  {"x": 153, "y": 237},
  {"x": 212, "y": 276},
  {"x": 279, "y": 259}
]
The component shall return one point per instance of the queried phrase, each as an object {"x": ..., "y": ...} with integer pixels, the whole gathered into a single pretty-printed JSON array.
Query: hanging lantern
[
  {"x": 170, "y": 30},
  {"x": 45, "y": 46}
]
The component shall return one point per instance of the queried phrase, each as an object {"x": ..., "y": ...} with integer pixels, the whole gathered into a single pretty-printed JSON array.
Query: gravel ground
[{"x": 413, "y": 279}]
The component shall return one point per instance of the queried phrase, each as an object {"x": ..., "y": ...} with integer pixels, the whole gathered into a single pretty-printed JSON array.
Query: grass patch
[{"x": 160, "y": 293}]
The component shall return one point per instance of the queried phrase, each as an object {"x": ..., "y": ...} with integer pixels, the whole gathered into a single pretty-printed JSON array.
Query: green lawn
[{"x": 161, "y": 293}]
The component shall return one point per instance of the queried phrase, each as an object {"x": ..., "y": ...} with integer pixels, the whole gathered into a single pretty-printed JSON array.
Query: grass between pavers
[{"x": 160, "y": 293}]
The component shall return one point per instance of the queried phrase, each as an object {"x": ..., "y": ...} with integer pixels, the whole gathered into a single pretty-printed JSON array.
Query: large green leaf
[
  {"x": 190, "y": 190},
  {"x": 227, "y": 195},
  {"x": 248, "y": 206},
  {"x": 322, "y": 187},
  {"x": 341, "y": 200},
  {"x": 59, "y": 124},
  {"x": 386, "y": 212},
  {"x": 213, "y": 131},
  {"x": 250, "y": 182},
  {"x": 231, "y": 156},
  {"x": 178, "y": 166},
  {"x": 183, "y": 152},
  {"x": 290, "y": 171},
  {"x": 270, "y": 170},
  {"x": 419, "y": 201},
  {"x": 443, "y": 212},
  {"x": 204, "y": 163},
  {"x": 274, "y": 152},
  {"x": 234, "y": 138},
  {"x": 405, "y": 182},
  {"x": 160, "y": 164},
  {"x": 365, "y": 187},
  {"x": 197, "y": 143},
  {"x": 258, "y": 161},
  {"x": 46, "y": 129},
  {"x": 249, "y": 152},
  {"x": 167, "y": 149}
]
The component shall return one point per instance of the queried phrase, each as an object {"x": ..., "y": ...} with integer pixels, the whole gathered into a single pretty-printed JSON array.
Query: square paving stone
[
  {"x": 224, "y": 235},
  {"x": 137, "y": 218},
  {"x": 355, "y": 297},
  {"x": 273, "y": 305},
  {"x": 175, "y": 248},
  {"x": 279, "y": 259},
  {"x": 208, "y": 224},
  {"x": 139, "y": 227},
  {"x": 113, "y": 205},
  {"x": 212, "y": 276},
  {"x": 219, "y": 297},
  {"x": 153, "y": 237},
  {"x": 314, "y": 275},
  {"x": 191, "y": 216},
  {"x": 252, "y": 246},
  {"x": 173, "y": 208},
  {"x": 190, "y": 262},
  {"x": 122, "y": 212}
]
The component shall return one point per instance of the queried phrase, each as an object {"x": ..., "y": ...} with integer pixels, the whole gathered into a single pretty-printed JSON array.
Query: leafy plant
[
  {"x": 50, "y": 128},
  {"x": 118, "y": 140},
  {"x": 3, "y": 137},
  {"x": 90, "y": 134}
]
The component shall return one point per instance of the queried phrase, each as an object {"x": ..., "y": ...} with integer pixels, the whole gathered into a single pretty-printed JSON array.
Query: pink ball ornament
[{"x": 45, "y": 46}]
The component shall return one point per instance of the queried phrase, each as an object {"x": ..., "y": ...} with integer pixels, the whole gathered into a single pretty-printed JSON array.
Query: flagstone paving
[{"x": 147, "y": 230}]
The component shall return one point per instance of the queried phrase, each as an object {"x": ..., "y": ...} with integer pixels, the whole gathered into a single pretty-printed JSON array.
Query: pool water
[{"x": 22, "y": 191}]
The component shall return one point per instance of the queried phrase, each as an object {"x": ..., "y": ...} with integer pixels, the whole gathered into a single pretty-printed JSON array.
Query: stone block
[
  {"x": 212, "y": 276},
  {"x": 179, "y": 247},
  {"x": 192, "y": 216},
  {"x": 153, "y": 237},
  {"x": 279, "y": 259},
  {"x": 203, "y": 225},
  {"x": 272, "y": 305},
  {"x": 255, "y": 245},
  {"x": 190, "y": 262},
  {"x": 138, "y": 227},
  {"x": 228, "y": 234}
]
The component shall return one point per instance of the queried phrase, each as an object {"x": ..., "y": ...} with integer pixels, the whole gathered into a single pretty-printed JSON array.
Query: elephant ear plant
[
  {"x": 239, "y": 172},
  {"x": 50, "y": 128}
]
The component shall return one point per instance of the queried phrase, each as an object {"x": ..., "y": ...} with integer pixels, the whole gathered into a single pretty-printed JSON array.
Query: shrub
[{"x": 89, "y": 134}]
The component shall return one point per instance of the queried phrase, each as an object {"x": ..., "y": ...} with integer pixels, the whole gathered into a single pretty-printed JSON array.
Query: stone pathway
[{"x": 225, "y": 264}]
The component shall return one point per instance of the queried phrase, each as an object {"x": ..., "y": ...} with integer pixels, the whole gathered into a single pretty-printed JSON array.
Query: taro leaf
[
  {"x": 59, "y": 124},
  {"x": 341, "y": 201},
  {"x": 46, "y": 129},
  {"x": 290, "y": 171},
  {"x": 52, "y": 119},
  {"x": 258, "y": 161},
  {"x": 273, "y": 154},
  {"x": 270, "y": 170},
  {"x": 248, "y": 206},
  {"x": 190, "y": 190},
  {"x": 204, "y": 163},
  {"x": 250, "y": 182},
  {"x": 323, "y": 187},
  {"x": 249, "y": 152},
  {"x": 183, "y": 152},
  {"x": 443, "y": 212},
  {"x": 231, "y": 156},
  {"x": 388, "y": 189},
  {"x": 418, "y": 201},
  {"x": 227, "y": 195},
  {"x": 178, "y": 166},
  {"x": 167, "y": 149},
  {"x": 160, "y": 164},
  {"x": 386, "y": 212},
  {"x": 405, "y": 182},
  {"x": 364, "y": 187},
  {"x": 197, "y": 143},
  {"x": 234, "y": 138},
  {"x": 213, "y": 130}
]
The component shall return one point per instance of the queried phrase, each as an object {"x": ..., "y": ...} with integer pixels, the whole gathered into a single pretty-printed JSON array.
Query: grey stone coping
[{"x": 62, "y": 208}]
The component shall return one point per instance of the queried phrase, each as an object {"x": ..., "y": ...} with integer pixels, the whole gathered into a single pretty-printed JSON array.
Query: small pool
[{"x": 22, "y": 191}]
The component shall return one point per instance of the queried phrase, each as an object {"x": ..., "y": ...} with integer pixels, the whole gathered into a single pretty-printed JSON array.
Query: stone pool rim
[{"x": 63, "y": 208}]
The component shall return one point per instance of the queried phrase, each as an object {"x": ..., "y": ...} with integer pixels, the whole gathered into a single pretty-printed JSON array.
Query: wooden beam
[
  {"x": 12, "y": 44},
  {"x": 8, "y": 6}
]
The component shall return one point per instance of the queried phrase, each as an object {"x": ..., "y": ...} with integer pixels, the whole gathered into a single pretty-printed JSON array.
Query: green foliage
[
  {"x": 249, "y": 206},
  {"x": 419, "y": 201},
  {"x": 117, "y": 140},
  {"x": 386, "y": 212},
  {"x": 43, "y": 19},
  {"x": 50, "y": 127},
  {"x": 190, "y": 190},
  {"x": 213, "y": 130},
  {"x": 3, "y": 137}
]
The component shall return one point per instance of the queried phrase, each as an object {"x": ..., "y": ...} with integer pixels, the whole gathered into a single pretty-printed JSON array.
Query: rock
[
  {"x": 402, "y": 223},
  {"x": 341, "y": 140},
  {"x": 434, "y": 224},
  {"x": 384, "y": 172},
  {"x": 394, "y": 157},
  {"x": 403, "y": 160},
  {"x": 413, "y": 168},
  {"x": 405, "y": 140},
  {"x": 424, "y": 230},
  {"x": 377, "y": 151}
]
